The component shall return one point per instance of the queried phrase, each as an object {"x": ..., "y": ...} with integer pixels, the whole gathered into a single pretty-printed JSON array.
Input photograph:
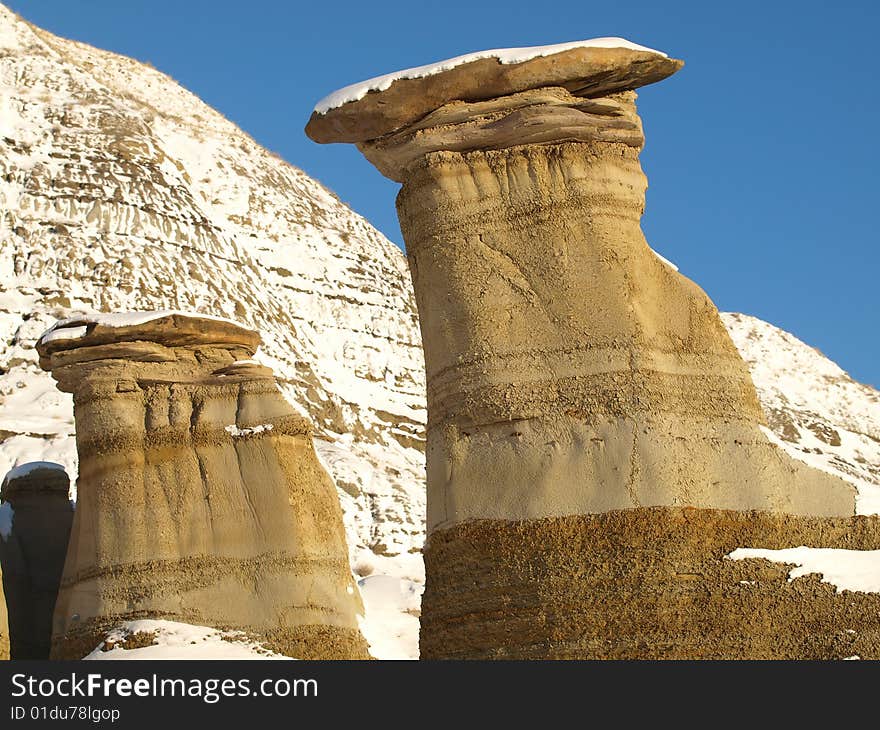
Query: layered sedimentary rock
[
  {"x": 582, "y": 394},
  {"x": 200, "y": 498},
  {"x": 32, "y": 553}
]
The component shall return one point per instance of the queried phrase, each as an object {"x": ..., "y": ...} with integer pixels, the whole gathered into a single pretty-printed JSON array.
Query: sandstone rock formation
[
  {"x": 32, "y": 553},
  {"x": 200, "y": 498},
  {"x": 583, "y": 397}
]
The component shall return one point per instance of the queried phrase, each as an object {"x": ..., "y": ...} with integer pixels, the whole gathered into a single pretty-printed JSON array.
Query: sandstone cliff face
[
  {"x": 571, "y": 373},
  {"x": 32, "y": 553},
  {"x": 580, "y": 377},
  {"x": 200, "y": 496}
]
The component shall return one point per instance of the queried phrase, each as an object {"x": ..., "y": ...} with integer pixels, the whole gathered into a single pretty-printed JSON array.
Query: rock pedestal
[
  {"x": 583, "y": 396},
  {"x": 32, "y": 553},
  {"x": 200, "y": 498}
]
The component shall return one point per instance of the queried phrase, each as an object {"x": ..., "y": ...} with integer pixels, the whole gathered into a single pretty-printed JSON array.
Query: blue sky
[{"x": 762, "y": 155}]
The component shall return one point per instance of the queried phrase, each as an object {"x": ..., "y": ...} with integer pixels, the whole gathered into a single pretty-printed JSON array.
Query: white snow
[
  {"x": 867, "y": 493},
  {"x": 252, "y": 431},
  {"x": 24, "y": 469},
  {"x": 391, "y": 624},
  {"x": 117, "y": 319},
  {"x": 174, "y": 640},
  {"x": 665, "y": 260},
  {"x": 7, "y": 515},
  {"x": 28, "y": 448},
  {"x": 847, "y": 570},
  {"x": 65, "y": 333},
  {"x": 817, "y": 413},
  {"x": 504, "y": 55}
]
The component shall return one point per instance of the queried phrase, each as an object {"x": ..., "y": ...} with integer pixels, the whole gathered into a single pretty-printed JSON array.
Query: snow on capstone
[
  {"x": 64, "y": 333},
  {"x": 175, "y": 640},
  {"x": 847, "y": 570},
  {"x": 504, "y": 55},
  {"x": 7, "y": 515},
  {"x": 23, "y": 470},
  {"x": 76, "y": 327}
]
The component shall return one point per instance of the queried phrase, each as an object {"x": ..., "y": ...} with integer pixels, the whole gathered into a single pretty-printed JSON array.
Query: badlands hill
[{"x": 119, "y": 190}]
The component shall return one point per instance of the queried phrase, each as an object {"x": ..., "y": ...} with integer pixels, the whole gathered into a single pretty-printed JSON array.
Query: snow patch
[
  {"x": 391, "y": 621},
  {"x": 847, "y": 570},
  {"x": 252, "y": 431},
  {"x": 504, "y": 55},
  {"x": 174, "y": 640},
  {"x": 867, "y": 493}
]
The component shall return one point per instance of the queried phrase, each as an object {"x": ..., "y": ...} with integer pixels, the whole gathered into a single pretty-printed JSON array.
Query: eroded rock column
[
  {"x": 200, "y": 498},
  {"x": 594, "y": 444},
  {"x": 32, "y": 553}
]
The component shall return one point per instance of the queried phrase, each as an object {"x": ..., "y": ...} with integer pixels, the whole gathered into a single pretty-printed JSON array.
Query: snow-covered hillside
[
  {"x": 815, "y": 411},
  {"x": 119, "y": 190}
]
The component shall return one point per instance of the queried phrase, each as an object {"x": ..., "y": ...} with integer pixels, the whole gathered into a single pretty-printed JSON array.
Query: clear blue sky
[{"x": 762, "y": 153}]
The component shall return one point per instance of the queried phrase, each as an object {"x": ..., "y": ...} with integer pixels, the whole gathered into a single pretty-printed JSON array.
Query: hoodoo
[
  {"x": 200, "y": 498},
  {"x": 32, "y": 552},
  {"x": 594, "y": 444}
]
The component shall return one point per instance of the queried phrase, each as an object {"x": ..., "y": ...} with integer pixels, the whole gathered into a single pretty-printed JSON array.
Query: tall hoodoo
[
  {"x": 200, "y": 498},
  {"x": 32, "y": 552},
  {"x": 583, "y": 396}
]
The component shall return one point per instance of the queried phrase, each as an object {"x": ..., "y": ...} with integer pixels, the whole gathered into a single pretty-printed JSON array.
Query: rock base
[
  {"x": 647, "y": 583},
  {"x": 317, "y": 642},
  {"x": 224, "y": 593}
]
